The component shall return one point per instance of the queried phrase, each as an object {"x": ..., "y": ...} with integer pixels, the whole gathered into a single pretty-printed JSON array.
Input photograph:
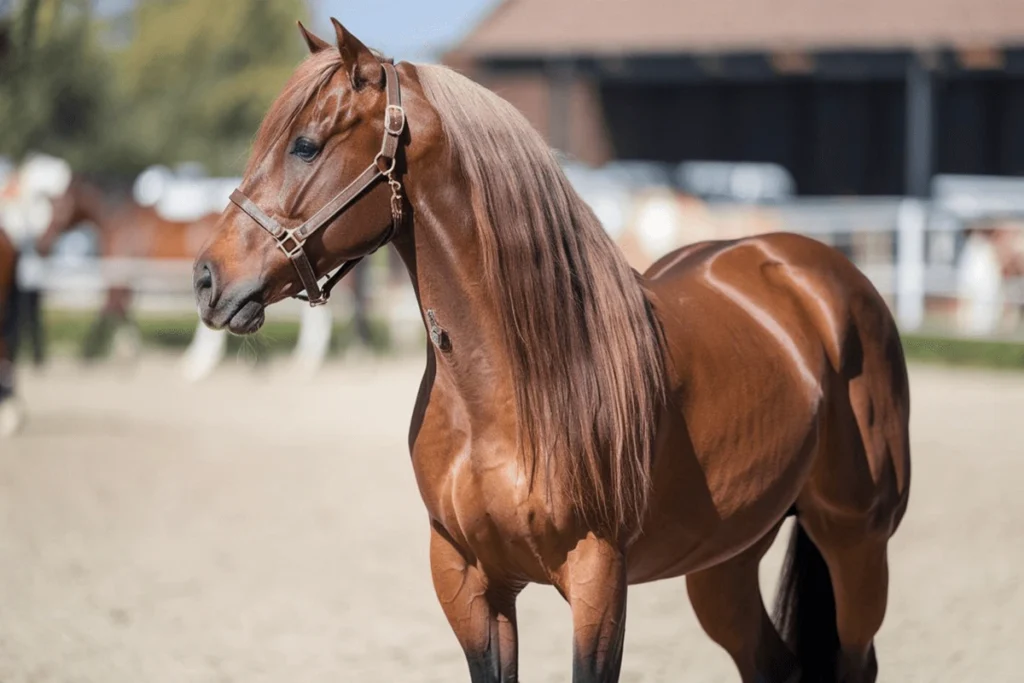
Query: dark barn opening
[{"x": 835, "y": 138}]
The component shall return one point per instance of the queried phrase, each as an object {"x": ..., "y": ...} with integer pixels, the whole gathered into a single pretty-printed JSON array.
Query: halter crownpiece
[{"x": 293, "y": 240}]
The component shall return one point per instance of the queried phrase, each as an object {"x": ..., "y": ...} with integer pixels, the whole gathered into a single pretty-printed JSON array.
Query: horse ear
[
  {"x": 314, "y": 42},
  {"x": 362, "y": 65}
]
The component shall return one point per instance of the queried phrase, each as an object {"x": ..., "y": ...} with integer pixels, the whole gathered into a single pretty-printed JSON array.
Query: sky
[{"x": 408, "y": 30}]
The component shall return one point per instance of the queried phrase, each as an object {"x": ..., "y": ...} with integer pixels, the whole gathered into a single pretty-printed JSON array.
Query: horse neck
[{"x": 444, "y": 258}]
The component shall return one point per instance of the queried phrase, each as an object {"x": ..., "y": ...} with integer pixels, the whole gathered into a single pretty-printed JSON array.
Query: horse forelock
[{"x": 586, "y": 357}]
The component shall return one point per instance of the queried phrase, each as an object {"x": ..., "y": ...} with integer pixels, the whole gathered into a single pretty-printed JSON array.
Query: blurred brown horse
[
  {"x": 126, "y": 230},
  {"x": 578, "y": 424},
  {"x": 8, "y": 330}
]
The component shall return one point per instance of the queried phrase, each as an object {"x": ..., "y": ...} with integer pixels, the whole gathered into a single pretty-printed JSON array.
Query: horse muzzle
[{"x": 239, "y": 307}]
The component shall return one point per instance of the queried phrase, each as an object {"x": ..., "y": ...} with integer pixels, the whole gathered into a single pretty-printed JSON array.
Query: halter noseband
[{"x": 293, "y": 240}]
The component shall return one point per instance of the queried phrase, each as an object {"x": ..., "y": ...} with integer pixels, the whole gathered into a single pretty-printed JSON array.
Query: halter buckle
[
  {"x": 394, "y": 119},
  {"x": 282, "y": 242}
]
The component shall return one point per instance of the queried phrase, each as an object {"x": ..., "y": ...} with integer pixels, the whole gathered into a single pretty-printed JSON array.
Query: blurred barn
[{"x": 867, "y": 98}]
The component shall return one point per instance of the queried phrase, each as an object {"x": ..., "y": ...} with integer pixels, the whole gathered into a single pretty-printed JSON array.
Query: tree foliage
[
  {"x": 166, "y": 81},
  {"x": 198, "y": 76},
  {"x": 54, "y": 81}
]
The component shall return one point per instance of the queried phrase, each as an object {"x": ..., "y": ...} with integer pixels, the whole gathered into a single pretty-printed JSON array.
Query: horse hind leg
[
  {"x": 831, "y": 603},
  {"x": 834, "y": 589},
  {"x": 727, "y": 601}
]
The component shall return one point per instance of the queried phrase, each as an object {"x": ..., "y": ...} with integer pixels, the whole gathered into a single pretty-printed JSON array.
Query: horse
[
  {"x": 25, "y": 210},
  {"x": 579, "y": 424},
  {"x": 127, "y": 229},
  {"x": 10, "y": 414}
]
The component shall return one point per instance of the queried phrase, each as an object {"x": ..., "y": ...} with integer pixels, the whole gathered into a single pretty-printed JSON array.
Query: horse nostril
[{"x": 203, "y": 283}]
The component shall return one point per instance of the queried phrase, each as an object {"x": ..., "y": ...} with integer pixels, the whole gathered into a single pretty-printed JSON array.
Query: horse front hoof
[
  {"x": 11, "y": 418},
  {"x": 126, "y": 346}
]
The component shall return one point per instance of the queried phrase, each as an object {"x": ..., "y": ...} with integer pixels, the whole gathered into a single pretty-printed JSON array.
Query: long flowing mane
[{"x": 579, "y": 331}]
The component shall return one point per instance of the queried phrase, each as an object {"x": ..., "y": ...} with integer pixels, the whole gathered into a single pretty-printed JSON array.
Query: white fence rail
[{"x": 925, "y": 257}]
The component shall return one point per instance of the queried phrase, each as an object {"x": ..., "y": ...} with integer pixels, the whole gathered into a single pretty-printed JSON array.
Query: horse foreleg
[
  {"x": 31, "y": 315},
  {"x": 361, "y": 304},
  {"x": 314, "y": 339},
  {"x": 6, "y": 377},
  {"x": 100, "y": 330},
  {"x": 593, "y": 580},
  {"x": 482, "y": 612},
  {"x": 204, "y": 353},
  {"x": 10, "y": 411},
  {"x": 94, "y": 340}
]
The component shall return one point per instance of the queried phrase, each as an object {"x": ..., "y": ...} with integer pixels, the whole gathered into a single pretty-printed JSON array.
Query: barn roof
[{"x": 526, "y": 28}]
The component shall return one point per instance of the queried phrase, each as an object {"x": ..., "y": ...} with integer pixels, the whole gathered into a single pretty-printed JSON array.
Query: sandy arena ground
[{"x": 260, "y": 527}]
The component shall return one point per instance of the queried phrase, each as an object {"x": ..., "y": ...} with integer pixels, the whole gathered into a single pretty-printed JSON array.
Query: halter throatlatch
[{"x": 292, "y": 241}]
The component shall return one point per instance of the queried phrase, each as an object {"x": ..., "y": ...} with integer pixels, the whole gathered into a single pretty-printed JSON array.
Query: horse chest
[
  {"x": 467, "y": 484},
  {"x": 476, "y": 487}
]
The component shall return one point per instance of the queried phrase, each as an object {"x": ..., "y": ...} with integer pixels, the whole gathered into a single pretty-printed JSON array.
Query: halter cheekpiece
[{"x": 293, "y": 240}]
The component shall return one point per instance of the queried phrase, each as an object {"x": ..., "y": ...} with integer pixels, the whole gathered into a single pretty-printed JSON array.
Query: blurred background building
[{"x": 853, "y": 98}]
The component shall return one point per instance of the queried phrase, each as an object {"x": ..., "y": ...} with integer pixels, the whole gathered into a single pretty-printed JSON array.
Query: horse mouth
[{"x": 248, "y": 319}]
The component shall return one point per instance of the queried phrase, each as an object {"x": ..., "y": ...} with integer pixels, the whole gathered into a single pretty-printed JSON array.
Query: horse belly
[
  {"x": 733, "y": 457},
  {"x": 748, "y": 371}
]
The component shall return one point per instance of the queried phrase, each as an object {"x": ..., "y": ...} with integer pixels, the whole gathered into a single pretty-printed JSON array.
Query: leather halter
[{"x": 293, "y": 240}]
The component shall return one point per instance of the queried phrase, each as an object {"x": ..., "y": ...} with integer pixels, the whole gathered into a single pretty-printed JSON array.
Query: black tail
[{"x": 805, "y": 610}]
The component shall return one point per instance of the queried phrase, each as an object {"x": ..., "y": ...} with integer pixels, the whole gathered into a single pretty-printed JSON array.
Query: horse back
[
  {"x": 143, "y": 233},
  {"x": 802, "y": 293}
]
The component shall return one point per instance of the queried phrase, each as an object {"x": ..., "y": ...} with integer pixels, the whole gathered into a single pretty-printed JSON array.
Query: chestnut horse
[
  {"x": 579, "y": 424},
  {"x": 9, "y": 417}
]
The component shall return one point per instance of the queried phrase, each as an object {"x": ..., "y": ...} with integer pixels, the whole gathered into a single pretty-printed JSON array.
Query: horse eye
[{"x": 305, "y": 149}]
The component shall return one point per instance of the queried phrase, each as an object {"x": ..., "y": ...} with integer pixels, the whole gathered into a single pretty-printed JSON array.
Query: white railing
[{"x": 917, "y": 253}]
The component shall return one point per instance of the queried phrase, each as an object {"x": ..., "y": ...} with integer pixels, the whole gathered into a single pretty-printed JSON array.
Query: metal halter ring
[{"x": 386, "y": 172}]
